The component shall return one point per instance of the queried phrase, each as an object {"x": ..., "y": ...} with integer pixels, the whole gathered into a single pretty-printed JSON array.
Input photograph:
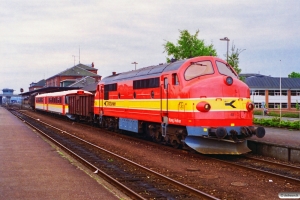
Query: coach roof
[{"x": 63, "y": 93}]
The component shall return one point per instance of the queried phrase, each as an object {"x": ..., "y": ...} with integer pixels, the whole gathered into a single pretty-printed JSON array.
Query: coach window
[
  {"x": 198, "y": 69},
  {"x": 175, "y": 80}
]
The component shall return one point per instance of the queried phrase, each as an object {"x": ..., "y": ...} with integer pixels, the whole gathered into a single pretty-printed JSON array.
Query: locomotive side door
[
  {"x": 101, "y": 99},
  {"x": 164, "y": 98}
]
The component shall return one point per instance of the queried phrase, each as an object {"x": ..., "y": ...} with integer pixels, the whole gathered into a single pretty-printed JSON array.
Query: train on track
[{"x": 199, "y": 102}]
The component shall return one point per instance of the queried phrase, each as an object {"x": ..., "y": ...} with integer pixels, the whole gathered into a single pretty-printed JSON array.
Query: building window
[
  {"x": 277, "y": 92},
  {"x": 258, "y": 92},
  {"x": 277, "y": 105},
  {"x": 295, "y": 92},
  {"x": 293, "y": 105}
]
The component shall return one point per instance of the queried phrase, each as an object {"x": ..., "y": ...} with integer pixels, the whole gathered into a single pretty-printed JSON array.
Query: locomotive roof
[
  {"x": 144, "y": 73},
  {"x": 63, "y": 93}
]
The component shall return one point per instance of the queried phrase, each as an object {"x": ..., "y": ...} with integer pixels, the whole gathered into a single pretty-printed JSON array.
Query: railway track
[
  {"x": 135, "y": 180},
  {"x": 272, "y": 169}
]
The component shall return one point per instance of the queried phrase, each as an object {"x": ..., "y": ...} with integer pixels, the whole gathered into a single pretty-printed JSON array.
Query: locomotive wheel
[
  {"x": 157, "y": 137},
  {"x": 175, "y": 144}
]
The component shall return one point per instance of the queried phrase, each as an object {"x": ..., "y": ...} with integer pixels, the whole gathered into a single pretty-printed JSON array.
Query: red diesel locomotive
[{"x": 198, "y": 101}]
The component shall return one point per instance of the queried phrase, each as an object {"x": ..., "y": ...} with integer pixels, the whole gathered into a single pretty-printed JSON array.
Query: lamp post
[
  {"x": 135, "y": 63},
  {"x": 280, "y": 92},
  {"x": 226, "y": 39}
]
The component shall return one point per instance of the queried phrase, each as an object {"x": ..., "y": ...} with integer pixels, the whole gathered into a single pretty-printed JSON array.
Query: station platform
[
  {"x": 280, "y": 136},
  {"x": 31, "y": 168}
]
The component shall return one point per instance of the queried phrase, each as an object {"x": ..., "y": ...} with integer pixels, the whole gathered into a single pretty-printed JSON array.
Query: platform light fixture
[
  {"x": 226, "y": 39},
  {"x": 135, "y": 63}
]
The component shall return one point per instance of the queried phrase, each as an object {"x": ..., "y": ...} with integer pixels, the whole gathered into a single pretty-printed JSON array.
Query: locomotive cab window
[
  {"x": 175, "y": 80},
  {"x": 225, "y": 69},
  {"x": 165, "y": 83},
  {"x": 197, "y": 69}
]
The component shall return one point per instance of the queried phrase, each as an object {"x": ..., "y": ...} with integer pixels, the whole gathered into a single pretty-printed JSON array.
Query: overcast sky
[{"x": 39, "y": 39}]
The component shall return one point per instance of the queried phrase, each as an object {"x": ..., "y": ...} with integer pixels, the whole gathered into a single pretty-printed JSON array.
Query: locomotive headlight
[
  {"x": 228, "y": 80},
  {"x": 203, "y": 106},
  {"x": 250, "y": 106}
]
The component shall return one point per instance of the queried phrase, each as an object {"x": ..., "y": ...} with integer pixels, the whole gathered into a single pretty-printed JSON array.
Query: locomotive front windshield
[
  {"x": 225, "y": 69},
  {"x": 198, "y": 69}
]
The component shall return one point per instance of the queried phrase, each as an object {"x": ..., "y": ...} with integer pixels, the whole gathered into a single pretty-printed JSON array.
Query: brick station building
[{"x": 266, "y": 90}]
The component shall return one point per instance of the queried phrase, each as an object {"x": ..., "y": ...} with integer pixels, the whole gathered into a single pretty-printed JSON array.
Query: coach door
[{"x": 45, "y": 105}]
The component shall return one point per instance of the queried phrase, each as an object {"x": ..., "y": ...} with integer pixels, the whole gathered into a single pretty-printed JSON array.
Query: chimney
[
  {"x": 114, "y": 73},
  {"x": 93, "y": 64}
]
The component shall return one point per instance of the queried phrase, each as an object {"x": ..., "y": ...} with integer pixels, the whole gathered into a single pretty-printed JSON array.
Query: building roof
[
  {"x": 267, "y": 82},
  {"x": 78, "y": 70},
  {"x": 91, "y": 87},
  {"x": 41, "y": 83},
  {"x": 82, "y": 82},
  {"x": 86, "y": 67}
]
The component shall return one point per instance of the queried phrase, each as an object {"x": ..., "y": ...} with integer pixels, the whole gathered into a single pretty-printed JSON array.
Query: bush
[
  {"x": 277, "y": 114},
  {"x": 275, "y": 122}
]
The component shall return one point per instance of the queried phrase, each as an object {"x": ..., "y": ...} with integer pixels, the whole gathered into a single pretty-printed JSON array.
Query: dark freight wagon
[{"x": 81, "y": 107}]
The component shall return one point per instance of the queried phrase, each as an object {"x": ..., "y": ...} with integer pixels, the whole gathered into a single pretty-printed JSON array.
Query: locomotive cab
[{"x": 222, "y": 109}]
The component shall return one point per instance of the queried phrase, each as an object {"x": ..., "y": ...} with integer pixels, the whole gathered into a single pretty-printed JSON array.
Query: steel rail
[
  {"x": 102, "y": 174},
  {"x": 128, "y": 191},
  {"x": 257, "y": 170}
]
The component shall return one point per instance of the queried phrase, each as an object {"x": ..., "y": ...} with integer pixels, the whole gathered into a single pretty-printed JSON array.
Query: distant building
[
  {"x": 266, "y": 90},
  {"x": 9, "y": 97},
  {"x": 7, "y": 91},
  {"x": 34, "y": 86},
  {"x": 71, "y": 76}
]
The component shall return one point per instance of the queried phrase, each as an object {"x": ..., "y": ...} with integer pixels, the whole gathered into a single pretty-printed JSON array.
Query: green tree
[
  {"x": 188, "y": 46},
  {"x": 294, "y": 75},
  {"x": 233, "y": 58}
]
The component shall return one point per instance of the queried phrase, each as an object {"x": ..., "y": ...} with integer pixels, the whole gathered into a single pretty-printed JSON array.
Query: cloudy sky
[{"x": 39, "y": 39}]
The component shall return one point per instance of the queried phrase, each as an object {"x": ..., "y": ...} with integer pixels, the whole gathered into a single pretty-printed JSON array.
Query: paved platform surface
[
  {"x": 31, "y": 169},
  {"x": 280, "y": 135}
]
